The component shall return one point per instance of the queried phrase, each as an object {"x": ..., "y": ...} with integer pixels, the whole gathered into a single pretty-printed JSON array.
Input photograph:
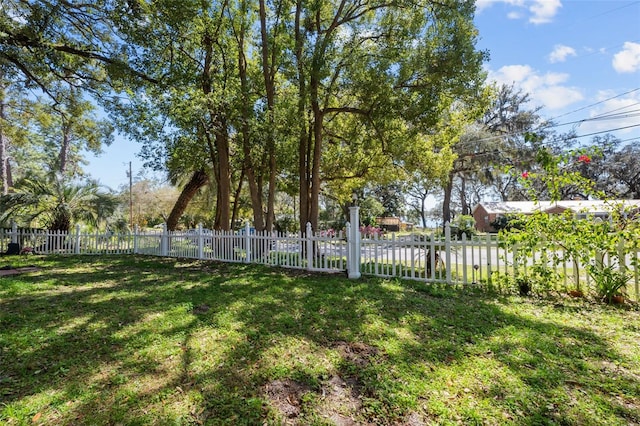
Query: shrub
[
  {"x": 610, "y": 281},
  {"x": 463, "y": 224}
]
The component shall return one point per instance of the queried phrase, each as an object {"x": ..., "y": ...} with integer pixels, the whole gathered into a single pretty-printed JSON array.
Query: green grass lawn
[{"x": 140, "y": 340}]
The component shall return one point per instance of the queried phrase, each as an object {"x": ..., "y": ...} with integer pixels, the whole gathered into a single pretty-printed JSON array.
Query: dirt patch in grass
[
  {"x": 286, "y": 397},
  {"x": 357, "y": 353},
  {"x": 338, "y": 399},
  {"x": 201, "y": 309},
  {"x": 341, "y": 400}
]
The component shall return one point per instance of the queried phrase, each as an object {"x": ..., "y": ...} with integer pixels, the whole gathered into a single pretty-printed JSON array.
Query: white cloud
[
  {"x": 511, "y": 73},
  {"x": 558, "y": 97},
  {"x": 542, "y": 11},
  {"x": 628, "y": 59},
  {"x": 560, "y": 53},
  {"x": 483, "y": 4},
  {"x": 547, "y": 90}
]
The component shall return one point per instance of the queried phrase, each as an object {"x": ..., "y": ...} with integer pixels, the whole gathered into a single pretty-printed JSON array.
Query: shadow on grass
[{"x": 138, "y": 340}]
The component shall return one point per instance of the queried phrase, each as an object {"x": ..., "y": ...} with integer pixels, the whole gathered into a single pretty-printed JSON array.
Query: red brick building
[{"x": 486, "y": 213}]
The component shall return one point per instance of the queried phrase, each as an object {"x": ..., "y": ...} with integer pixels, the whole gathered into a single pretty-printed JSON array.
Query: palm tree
[{"x": 57, "y": 203}]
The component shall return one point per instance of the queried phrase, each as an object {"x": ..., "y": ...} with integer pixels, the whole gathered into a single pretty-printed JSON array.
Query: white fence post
[
  {"x": 489, "y": 258},
  {"x": 200, "y": 242},
  {"x": 353, "y": 243},
  {"x": 136, "y": 230},
  {"x": 447, "y": 248},
  {"x": 14, "y": 232},
  {"x": 164, "y": 241},
  {"x": 463, "y": 242},
  {"x": 309, "y": 243},
  {"x": 247, "y": 242},
  {"x": 77, "y": 242}
]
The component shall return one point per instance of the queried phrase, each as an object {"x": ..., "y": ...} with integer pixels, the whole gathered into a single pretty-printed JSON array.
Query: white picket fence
[
  {"x": 479, "y": 261},
  {"x": 320, "y": 251},
  {"x": 311, "y": 251}
]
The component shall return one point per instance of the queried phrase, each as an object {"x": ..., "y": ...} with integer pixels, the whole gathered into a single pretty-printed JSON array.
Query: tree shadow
[{"x": 148, "y": 340}]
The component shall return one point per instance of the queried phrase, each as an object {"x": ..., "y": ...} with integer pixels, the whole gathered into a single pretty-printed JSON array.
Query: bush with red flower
[
  {"x": 565, "y": 238},
  {"x": 584, "y": 158}
]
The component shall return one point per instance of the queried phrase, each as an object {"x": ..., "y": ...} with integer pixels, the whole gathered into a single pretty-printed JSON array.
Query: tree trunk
[
  {"x": 219, "y": 148},
  {"x": 197, "y": 181},
  {"x": 223, "y": 180},
  {"x": 303, "y": 136},
  {"x": 64, "y": 148},
  {"x": 463, "y": 196},
  {"x": 236, "y": 200},
  {"x": 254, "y": 181},
  {"x": 423, "y": 216},
  {"x": 446, "y": 203},
  {"x": 314, "y": 202},
  {"x": 268, "y": 73},
  {"x": 4, "y": 146}
]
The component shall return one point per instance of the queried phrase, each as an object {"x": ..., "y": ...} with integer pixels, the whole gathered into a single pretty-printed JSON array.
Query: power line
[
  {"x": 606, "y": 131},
  {"x": 617, "y": 109},
  {"x": 606, "y": 12},
  {"x": 594, "y": 104},
  {"x": 619, "y": 116},
  {"x": 491, "y": 138},
  {"x": 603, "y": 116}
]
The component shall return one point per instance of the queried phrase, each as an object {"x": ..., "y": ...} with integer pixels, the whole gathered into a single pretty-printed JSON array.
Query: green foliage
[
  {"x": 610, "y": 281},
  {"x": 566, "y": 237},
  {"x": 505, "y": 222},
  {"x": 57, "y": 203},
  {"x": 540, "y": 279},
  {"x": 464, "y": 224},
  {"x": 287, "y": 224}
]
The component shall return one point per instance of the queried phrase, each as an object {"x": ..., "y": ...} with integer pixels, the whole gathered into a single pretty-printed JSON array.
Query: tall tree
[
  {"x": 69, "y": 127},
  {"x": 187, "y": 45},
  {"x": 625, "y": 169},
  {"x": 5, "y": 169},
  {"x": 21, "y": 150},
  {"x": 496, "y": 142},
  {"x": 377, "y": 61}
]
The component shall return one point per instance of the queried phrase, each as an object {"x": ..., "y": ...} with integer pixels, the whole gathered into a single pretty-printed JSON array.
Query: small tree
[
  {"x": 464, "y": 224},
  {"x": 560, "y": 237},
  {"x": 56, "y": 203}
]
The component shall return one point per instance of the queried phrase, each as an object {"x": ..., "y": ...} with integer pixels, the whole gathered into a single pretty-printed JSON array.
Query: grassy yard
[{"x": 139, "y": 340}]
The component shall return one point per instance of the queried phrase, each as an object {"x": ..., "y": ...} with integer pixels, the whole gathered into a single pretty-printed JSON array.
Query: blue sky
[{"x": 578, "y": 59}]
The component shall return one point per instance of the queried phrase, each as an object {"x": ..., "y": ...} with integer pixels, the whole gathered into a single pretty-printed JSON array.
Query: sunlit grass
[{"x": 137, "y": 340}]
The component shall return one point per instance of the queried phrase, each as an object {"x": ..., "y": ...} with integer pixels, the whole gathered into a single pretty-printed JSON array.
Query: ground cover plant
[{"x": 142, "y": 340}]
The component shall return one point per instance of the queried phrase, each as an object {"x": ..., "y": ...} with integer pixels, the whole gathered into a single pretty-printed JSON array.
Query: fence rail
[{"x": 481, "y": 260}]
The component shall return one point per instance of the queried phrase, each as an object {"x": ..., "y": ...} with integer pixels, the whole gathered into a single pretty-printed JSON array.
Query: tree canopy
[
  {"x": 318, "y": 95},
  {"x": 249, "y": 98}
]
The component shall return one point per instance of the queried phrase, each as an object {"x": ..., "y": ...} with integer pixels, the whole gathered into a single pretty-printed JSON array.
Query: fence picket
[{"x": 410, "y": 257}]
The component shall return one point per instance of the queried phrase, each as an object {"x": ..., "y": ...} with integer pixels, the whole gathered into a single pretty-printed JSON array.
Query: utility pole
[{"x": 130, "y": 196}]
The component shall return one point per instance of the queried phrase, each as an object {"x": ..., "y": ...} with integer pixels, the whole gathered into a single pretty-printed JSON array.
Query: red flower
[
  {"x": 525, "y": 175},
  {"x": 584, "y": 159}
]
